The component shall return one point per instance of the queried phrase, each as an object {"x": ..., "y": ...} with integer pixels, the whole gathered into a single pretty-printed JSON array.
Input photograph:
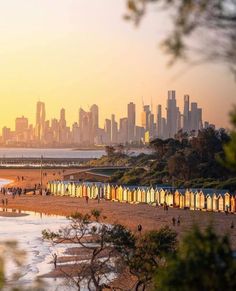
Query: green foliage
[
  {"x": 150, "y": 249},
  {"x": 110, "y": 151},
  {"x": 203, "y": 261},
  {"x": 183, "y": 161},
  {"x": 96, "y": 213},
  {"x": 122, "y": 239},
  {"x": 212, "y": 18},
  {"x": 230, "y": 147},
  {"x": 141, "y": 255}
]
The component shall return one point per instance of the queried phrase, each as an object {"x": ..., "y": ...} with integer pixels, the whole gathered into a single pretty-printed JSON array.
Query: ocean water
[
  {"x": 49, "y": 153},
  {"x": 27, "y": 232},
  {"x": 58, "y": 153}
]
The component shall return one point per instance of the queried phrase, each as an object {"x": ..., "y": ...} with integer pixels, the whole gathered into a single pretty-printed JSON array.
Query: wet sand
[
  {"x": 12, "y": 214},
  {"x": 130, "y": 215}
]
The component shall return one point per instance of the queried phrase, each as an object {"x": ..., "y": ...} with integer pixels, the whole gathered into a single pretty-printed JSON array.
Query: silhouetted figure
[
  {"x": 6, "y": 202},
  {"x": 164, "y": 206},
  {"x": 3, "y": 202},
  {"x": 232, "y": 225},
  {"x": 173, "y": 221},
  {"x": 178, "y": 221},
  {"x": 87, "y": 199},
  {"x": 140, "y": 228},
  {"x": 55, "y": 260}
]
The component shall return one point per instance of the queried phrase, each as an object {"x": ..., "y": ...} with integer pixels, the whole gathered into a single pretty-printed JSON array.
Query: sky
[{"x": 75, "y": 53}]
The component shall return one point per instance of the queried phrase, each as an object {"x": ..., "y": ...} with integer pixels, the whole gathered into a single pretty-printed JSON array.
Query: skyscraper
[
  {"x": 94, "y": 121},
  {"x": 114, "y": 129},
  {"x": 107, "y": 129},
  {"x": 186, "y": 118},
  {"x": 145, "y": 117},
  {"x": 131, "y": 121},
  {"x": 40, "y": 121},
  {"x": 159, "y": 119},
  {"x": 62, "y": 127},
  {"x": 85, "y": 126},
  {"x": 194, "y": 116},
  {"x": 123, "y": 133},
  {"x": 171, "y": 115},
  {"x": 22, "y": 124}
]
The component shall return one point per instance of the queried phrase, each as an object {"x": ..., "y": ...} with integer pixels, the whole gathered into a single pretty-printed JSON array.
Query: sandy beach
[{"x": 130, "y": 215}]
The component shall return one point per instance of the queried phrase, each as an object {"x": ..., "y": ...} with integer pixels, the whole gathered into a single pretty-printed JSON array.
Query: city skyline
[
  {"x": 83, "y": 52},
  {"x": 134, "y": 127},
  {"x": 72, "y": 113}
]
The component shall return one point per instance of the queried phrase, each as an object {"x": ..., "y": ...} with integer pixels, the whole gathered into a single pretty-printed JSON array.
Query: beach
[{"x": 130, "y": 215}]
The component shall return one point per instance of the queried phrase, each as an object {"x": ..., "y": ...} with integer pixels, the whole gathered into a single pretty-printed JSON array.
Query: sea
[
  {"x": 49, "y": 153},
  {"x": 58, "y": 153}
]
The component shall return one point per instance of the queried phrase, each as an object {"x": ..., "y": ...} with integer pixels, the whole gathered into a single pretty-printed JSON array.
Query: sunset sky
[{"x": 73, "y": 53}]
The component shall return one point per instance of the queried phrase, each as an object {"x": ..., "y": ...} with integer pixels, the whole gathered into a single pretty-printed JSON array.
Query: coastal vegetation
[
  {"x": 203, "y": 261},
  {"x": 204, "y": 160},
  {"x": 151, "y": 260},
  {"x": 111, "y": 249}
]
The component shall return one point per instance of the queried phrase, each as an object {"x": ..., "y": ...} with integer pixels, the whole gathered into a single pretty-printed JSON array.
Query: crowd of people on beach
[{"x": 14, "y": 191}]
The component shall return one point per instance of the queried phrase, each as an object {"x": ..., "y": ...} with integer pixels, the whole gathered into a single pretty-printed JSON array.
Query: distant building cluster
[{"x": 87, "y": 132}]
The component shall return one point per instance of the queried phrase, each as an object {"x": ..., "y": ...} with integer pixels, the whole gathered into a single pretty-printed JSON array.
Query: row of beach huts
[{"x": 195, "y": 199}]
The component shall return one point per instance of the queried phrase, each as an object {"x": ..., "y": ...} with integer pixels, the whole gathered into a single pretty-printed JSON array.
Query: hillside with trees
[{"x": 205, "y": 160}]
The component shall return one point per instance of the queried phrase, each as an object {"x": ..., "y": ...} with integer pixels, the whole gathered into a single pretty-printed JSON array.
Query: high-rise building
[
  {"x": 107, "y": 129},
  {"x": 75, "y": 133},
  {"x": 159, "y": 119},
  {"x": 163, "y": 128},
  {"x": 21, "y": 124},
  {"x": 85, "y": 127},
  {"x": 6, "y": 134},
  {"x": 171, "y": 115},
  {"x": 145, "y": 117},
  {"x": 114, "y": 129},
  {"x": 62, "y": 127},
  {"x": 194, "y": 116},
  {"x": 123, "y": 132},
  {"x": 94, "y": 121},
  {"x": 200, "y": 123},
  {"x": 40, "y": 121},
  {"x": 131, "y": 121},
  {"x": 140, "y": 132},
  {"x": 186, "y": 115}
]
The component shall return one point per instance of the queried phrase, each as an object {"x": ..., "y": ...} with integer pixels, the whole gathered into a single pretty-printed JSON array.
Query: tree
[
  {"x": 204, "y": 261},
  {"x": 214, "y": 18},
  {"x": 230, "y": 147},
  {"x": 209, "y": 142},
  {"x": 111, "y": 249},
  {"x": 93, "y": 239},
  {"x": 150, "y": 251},
  {"x": 110, "y": 151}
]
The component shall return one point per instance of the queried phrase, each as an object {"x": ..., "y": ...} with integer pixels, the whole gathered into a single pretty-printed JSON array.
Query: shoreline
[{"x": 130, "y": 215}]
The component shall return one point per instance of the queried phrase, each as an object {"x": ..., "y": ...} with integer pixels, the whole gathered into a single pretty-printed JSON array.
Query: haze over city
[
  {"x": 66, "y": 54},
  {"x": 164, "y": 123}
]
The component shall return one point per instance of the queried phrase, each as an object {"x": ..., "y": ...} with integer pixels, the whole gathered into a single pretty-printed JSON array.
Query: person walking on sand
[
  {"x": 55, "y": 260},
  {"x": 173, "y": 221},
  {"x": 178, "y": 221},
  {"x": 87, "y": 199},
  {"x": 140, "y": 228},
  {"x": 3, "y": 203},
  {"x": 6, "y": 202}
]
